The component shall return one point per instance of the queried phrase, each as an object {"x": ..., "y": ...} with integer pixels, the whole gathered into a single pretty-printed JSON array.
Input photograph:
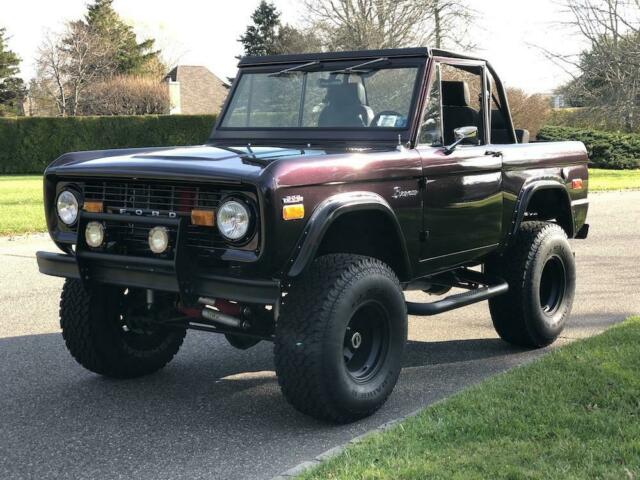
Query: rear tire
[
  {"x": 340, "y": 337},
  {"x": 95, "y": 333},
  {"x": 540, "y": 270}
]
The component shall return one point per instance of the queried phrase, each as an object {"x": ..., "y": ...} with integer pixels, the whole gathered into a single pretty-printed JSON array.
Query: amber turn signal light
[
  {"x": 93, "y": 207},
  {"x": 202, "y": 217},
  {"x": 576, "y": 184},
  {"x": 293, "y": 212}
]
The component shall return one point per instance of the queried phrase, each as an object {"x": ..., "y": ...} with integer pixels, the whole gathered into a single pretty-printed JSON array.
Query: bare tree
[
  {"x": 68, "y": 63},
  {"x": 89, "y": 59},
  {"x": 368, "y": 24},
  {"x": 530, "y": 112},
  {"x": 452, "y": 20},
  {"x": 606, "y": 76},
  {"x": 50, "y": 71}
]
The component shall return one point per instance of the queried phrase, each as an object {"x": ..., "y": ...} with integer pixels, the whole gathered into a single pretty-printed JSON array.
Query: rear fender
[{"x": 528, "y": 192}]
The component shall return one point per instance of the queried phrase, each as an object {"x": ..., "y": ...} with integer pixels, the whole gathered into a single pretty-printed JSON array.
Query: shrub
[
  {"x": 126, "y": 95},
  {"x": 528, "y": 111},
  {"x": 606, "y": 149},
  {"x": 29, "y": 144},
  {"x": 586, "y": 117}
]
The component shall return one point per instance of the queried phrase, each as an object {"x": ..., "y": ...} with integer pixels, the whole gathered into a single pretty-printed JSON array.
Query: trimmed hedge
[
  {"x": 617, "y": 151},
  {"x": 29, "y": 144},
  {"x": 592, "y": 118}
]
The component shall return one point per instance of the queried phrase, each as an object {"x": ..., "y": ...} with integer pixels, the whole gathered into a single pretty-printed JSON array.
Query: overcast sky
[{"x": 205, "y": 32}]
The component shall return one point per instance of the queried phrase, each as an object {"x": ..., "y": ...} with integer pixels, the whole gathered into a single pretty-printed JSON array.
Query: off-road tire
[
  {"x": 95, "y": 337},
  {"x": 540, "y": 269},
  {"x": 312, "y": 345}
]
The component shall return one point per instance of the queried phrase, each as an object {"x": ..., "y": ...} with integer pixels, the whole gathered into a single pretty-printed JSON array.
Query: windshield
[{"x": 374, "y": 98}]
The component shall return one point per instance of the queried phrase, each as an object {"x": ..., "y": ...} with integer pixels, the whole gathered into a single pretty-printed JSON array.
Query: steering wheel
[{"x": 391, "y": 113}]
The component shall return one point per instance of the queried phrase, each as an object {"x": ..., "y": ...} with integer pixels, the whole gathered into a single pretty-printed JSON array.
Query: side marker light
[{"x": 293, "y": 212}]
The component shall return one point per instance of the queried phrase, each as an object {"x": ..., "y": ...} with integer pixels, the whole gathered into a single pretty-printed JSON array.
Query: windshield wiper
[
  {"x": 358, "y": 68},
  {"x": 354, "y": 69},
  {"x": 293, "y": 69}
]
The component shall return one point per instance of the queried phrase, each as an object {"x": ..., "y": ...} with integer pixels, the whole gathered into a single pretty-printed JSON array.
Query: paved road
[{"x": 215, "y": 412}]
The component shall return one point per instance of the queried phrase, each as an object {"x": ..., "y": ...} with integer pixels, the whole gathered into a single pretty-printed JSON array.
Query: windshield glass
[{"x": 376, "y": 98}]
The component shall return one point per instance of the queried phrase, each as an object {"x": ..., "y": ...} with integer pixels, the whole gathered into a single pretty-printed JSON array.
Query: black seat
[
  {"x": 499, "y": 132},
  {"x": 346, "y": 107},
  {"x": 456, "y": 111}
]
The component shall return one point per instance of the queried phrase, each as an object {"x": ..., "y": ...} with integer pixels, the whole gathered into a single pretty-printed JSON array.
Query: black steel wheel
[
  {"x": 340, "y": 337},
  {"x": 553, "y": 285},
  {"x": 366, "y": 341},
  {"x": 540, "y": 269}
]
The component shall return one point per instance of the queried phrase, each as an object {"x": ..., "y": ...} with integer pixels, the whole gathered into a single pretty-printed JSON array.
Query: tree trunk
[{"x": 437, "y": 24}]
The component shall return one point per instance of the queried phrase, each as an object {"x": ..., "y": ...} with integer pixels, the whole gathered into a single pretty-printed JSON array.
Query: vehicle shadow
[
  {"x": 417, "y": 354},
  {"x": 209, "y": 413}
]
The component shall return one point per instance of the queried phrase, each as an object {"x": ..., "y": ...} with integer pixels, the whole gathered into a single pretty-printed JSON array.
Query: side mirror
[{"x": 462, "y": 133}]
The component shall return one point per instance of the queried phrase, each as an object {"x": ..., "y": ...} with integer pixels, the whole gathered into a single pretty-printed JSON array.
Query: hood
[{"x": 205, "y": 162}]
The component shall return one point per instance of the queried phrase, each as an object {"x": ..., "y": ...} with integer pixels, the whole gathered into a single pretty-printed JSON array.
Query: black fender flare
[
  {"x": 326, "y": 213},
  {"x": 527, "y": 192}
]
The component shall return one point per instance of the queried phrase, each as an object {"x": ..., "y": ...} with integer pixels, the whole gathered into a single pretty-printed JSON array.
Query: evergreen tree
[
  {"x": 131, "y": 57},
  {"x": 12, "y": 89},
  {"x": 260, "y": 38}
]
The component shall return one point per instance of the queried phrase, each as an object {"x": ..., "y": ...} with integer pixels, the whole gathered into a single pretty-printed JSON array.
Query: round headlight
[
  {"x": 94, "y": 234},
  {"x": 158, "y": 239},
  {"x": 67, "y": 207},
  {"x": 233, "y": 219}
]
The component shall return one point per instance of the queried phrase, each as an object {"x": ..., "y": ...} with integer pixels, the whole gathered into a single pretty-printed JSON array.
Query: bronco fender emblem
[{"x": 399, "y": 193}]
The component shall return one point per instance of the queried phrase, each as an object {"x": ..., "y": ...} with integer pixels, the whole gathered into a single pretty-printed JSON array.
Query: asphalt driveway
[{"x": 216, "y": 412}]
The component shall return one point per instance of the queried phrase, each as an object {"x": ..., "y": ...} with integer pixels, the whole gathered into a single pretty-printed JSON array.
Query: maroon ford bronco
[{"x": 331, "y": 184}]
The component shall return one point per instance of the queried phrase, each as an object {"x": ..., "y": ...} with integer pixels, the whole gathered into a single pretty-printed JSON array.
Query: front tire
[
  {"x": 96, "y": 333},
  {"x": 540, "y": 269},
  {"x": 340, "y": 337}
]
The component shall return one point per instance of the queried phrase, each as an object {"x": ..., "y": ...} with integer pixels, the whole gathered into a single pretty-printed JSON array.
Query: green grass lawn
[
  {"x": 601, "y": 180},
  {"x": 573, "y": 414},
  {"x": 21, "y": 208}
]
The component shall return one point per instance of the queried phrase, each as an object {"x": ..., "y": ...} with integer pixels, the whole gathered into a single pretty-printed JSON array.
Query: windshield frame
[{"x": 315, "y": 135}]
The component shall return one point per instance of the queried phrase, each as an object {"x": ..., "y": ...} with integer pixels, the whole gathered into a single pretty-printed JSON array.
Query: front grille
[
  {"x": 150, "y": 197},
  {"x": 147, "y": 198}
]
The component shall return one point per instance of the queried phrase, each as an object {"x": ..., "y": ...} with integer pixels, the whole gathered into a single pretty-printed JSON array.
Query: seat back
[
  {"x": 499, "y": 132},
  {"x": 346, "y": 107},
  {"x": 456, "y": 111}
]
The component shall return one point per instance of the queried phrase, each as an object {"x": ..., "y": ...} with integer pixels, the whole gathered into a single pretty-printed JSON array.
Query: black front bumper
[
  {"x": 114, "y": 271},
  {"x": 175, "y": 273}
]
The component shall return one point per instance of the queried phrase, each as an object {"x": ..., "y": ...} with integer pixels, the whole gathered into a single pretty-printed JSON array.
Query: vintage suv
[{"x": 331, "y": 183}]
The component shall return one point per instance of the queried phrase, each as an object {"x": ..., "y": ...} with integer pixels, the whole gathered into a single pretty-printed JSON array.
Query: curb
[{"x": 337, "y": 450}]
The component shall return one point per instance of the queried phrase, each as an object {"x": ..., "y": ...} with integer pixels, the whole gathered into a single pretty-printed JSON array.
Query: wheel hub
[
  {"x": 356, "y": 340},
  {"x": 365, "y": 341}
]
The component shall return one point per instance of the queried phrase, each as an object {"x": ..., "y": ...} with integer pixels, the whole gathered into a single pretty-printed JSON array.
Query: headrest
[
  {"x": 348, "y": 93},
  {"x": 455, "y": 94}
]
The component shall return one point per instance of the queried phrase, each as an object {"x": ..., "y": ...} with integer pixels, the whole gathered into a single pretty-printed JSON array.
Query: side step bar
[{"x": 492, "y": 288}]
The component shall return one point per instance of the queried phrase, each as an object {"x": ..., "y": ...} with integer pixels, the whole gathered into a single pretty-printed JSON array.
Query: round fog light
[
  {"x": 94, "y": 234},
  {"x": 158, "y": 239}
]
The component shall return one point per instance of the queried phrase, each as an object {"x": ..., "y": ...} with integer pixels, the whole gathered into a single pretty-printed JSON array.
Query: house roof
[{"x": 182, "y": 71}]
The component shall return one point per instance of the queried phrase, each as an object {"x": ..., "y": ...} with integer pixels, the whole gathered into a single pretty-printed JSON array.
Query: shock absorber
[{"x": 219, "y": 311}]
